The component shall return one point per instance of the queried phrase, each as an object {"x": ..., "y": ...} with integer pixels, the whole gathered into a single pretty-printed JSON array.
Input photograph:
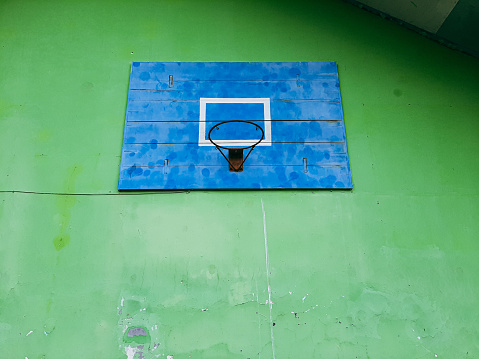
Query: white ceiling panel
[{"x": 425, "y": 14}]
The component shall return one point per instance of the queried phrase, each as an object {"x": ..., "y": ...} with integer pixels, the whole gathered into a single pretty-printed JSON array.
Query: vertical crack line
[{"x": 267, "y": 278}]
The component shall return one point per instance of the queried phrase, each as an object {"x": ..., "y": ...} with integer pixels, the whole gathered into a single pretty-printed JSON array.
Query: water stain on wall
[
  {"x": 64, "y": 206},
  {"x": 397, "y": 92}
]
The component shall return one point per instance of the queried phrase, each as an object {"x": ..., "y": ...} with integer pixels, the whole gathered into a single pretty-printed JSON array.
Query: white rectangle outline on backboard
[{"x": 203, "y": 141}]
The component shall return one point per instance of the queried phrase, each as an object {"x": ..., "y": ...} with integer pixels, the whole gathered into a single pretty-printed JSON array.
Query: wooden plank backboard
[{"x": 173, "y": 106}]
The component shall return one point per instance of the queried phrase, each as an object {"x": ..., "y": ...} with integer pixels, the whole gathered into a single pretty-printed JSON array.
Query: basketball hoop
[{"x": 235, "y": 154}]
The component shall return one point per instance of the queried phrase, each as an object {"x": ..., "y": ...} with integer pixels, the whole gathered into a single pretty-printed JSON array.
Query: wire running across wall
[{"x": 93, "y": 194}]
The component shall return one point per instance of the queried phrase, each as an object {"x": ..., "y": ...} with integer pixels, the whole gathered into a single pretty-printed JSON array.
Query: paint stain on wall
[
  {"x": 397, "y": 92},
  {"x": 64, "y": 206},
  {"x": 138, "y": 328},
  {"x": 44, "y": 135}
]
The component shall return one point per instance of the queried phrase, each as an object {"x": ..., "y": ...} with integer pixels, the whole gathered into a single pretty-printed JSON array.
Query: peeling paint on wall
[{"x": 139, "y": 335}]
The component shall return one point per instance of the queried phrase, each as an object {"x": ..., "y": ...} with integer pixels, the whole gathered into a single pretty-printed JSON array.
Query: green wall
[{"x": 388, "y": 270}]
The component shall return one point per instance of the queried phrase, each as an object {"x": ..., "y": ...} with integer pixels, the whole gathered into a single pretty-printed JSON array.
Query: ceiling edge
[{"x": 441, "y": 40}]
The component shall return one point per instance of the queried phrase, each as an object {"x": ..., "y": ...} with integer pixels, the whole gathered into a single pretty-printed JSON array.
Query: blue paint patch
[
  {"x": 145, "y": 76},
  {"x": 179, "y": 111},
  {"x": 131, "y": 170},
  {"x": 205, "y": 172},
  {"x": 188, "y": 87},
  {"x": 138, "y": 171},
  {"x": 158, "y": 68},
  {"x": 293, "y": 176},
  {"x": 328, "y": 182},
  {"x": 134, "y": 171},
  {"x": 281, "y": 173},
  {"x": 293, "y": 72},
  {"x": 161, "y": 86},
  {"x": 234, "y": 178}
]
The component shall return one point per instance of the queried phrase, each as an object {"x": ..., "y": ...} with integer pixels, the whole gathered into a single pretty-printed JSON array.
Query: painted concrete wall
[{"x": 388, "y": 270}]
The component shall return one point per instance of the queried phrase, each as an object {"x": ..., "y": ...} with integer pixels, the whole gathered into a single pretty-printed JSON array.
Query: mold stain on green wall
[{"x": 65, "y": 203}]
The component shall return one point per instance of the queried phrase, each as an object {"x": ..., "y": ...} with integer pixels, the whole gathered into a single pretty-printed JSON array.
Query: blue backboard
[{"x": 173, "y": 106}]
